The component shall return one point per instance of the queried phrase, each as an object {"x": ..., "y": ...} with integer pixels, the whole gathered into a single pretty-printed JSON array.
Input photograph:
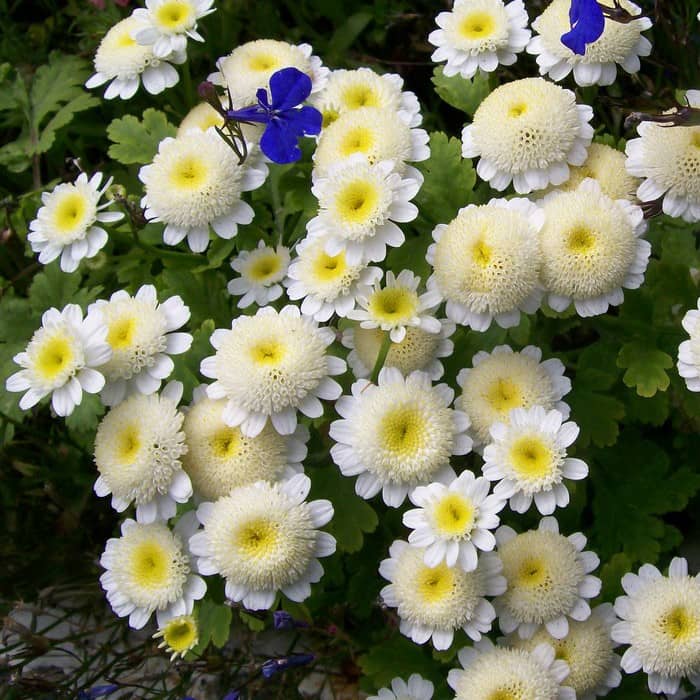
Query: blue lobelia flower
[
  {"x": 587, "y": 24},
  {"x": 285, "y": 122}
]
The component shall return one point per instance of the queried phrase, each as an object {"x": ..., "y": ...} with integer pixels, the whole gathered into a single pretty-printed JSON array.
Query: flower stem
[{"x": 381, "y": 357}]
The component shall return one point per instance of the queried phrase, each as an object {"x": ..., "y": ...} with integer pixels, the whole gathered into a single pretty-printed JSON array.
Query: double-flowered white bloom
[
  {"x": 270, "y": 365},
  {"x": 454, "y": 519},
  {"x": 548, "y": 578},
  {"x": 359, "y": 204},
  {"x": 397, "y": 434},
  {"x": 262, "y": 272},
  {"x": 60, "y": 360},
  {"x": 195, "y": 182},
  {"x": 491, "y": 673},
  {"x": 138, "y": 453},
  {"x": 478, "y": 35},
  {"x": 67, "y": 223},
  {"x": 528, "y": 132},
  {"x": 434, "y": 602},
  {"x": 124, "y": 63},
  {"x": 661, "y": 623},
  {"x": 486, "y": 263},
  {"x": 263, "y": 538},
  {"x": 416, "y": 688},
  {"x": 689, "y": 350},
  {"x": 149, "y": 569},
  {"x": 140, "y": 332},
  {"x": 591, "y": 249},
  {"x": 621, "y": 43},
  {"x": 527, "y": 456}
]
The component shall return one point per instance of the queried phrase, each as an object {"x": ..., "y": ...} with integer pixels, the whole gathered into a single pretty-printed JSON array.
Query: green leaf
[
  {"x": 598, "y": 415},
  {"x": 645, "y": 367},
  {"x": 343, "y": 37},
  {"x": 254, "y": 624},
  {"x": 449, "y": 180},
  {"x": 611, "y": 574},
  {"x": 465, "y": 95},
  {"x": 214, "y": 622},
  {"x": 353, "y": 516},
  {"x": 52, "y": 287},
  {"x": 86, "y": 416},
  {"x": 135, "y": 141},
  {"x": 397, "y": 656}
]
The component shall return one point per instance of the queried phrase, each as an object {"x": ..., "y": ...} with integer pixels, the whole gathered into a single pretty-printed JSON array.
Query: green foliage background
[{"x": 639, "y": 423}]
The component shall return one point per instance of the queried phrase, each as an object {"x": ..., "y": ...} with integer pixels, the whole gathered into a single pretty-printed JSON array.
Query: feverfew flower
[
  {"x": 220, "y": 458},
  {"x": 661, "y": 623},
  {"x": 148, "y": 569},
  {"x": 489, "y": 672},
  {"x": 477, "y": 35},
  {"x": 179, "y": 635},
  {"x": 124, "y": 63},
  {"x": 591, "y": 249},
  {"x": 138, "y": 450},
  {"x": 359, "y": 205},
  {"x": 528, "y": 132},
  {"x": 169, "y": 23},
  {"x": 65, "y": 224},
  {"x": 268, "y": 366},
  {"x": 60, "y": 358},
  {"x": 453, "y": 520},
  {"x": 397, "y": 306},
  {"x": 620, "y": 43},
  {"x": 434, "y": 602},
  {"x": 689, "y": 350},
  {"x": 328, "y": 284},
  {"x": 202, "y": 116},
  {"x": 548, "y": 578},
  {"x": 263, "y": 538},
  {"x": 378, "y": 134},
  {"x": 486, "y": 263},
  {"x": 262, "y": 272},
  {"x": 503, "y": 380},
  {"x": 417, "y": 688},
  {"x": 140, "y": 334},
  {"x": 195, "y": 182},
  {"x": 528, "y": 456},
  {"x": 587, "y": 649},
  {"x": 668, "y": 157},
  {"x": 397, "y": 434},
  {"x": 418, "y": 350}
]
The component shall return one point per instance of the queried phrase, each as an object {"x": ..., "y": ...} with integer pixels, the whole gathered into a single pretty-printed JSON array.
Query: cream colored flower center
[
  {"x": 268, "y": 352},
  {"x": 360, "y": 96},
  {"x": 477, "y": 25},
  {"x": 189, "y": 173},
  {"x": 257, "y": 538},
  {"x": 357, "y": 202},
  {"x": 679, "y": 625},
  {"x": 54, "y": 357},
  {"x": 174, "y": 16},
  {"x": 360, "y": 139},
  {"x": 149, "y": 565},
  {"x": 263, "y": 62},
  {"x": 504, "y": 395},
  {"x": 393, "y": 305},
  {"x": 328, "y": 268},
  {"x": 120, "y": 334},
  {"x": 454, "y": 515},
  {"x": 403, "y": 431},
  {"x": 531, "y": 458},
  {"x": 225, "y": 443},
  {"x": 265, "y": 267},
  {"x": 70, "y": 212},
  {"x": 434, "y": 585}
]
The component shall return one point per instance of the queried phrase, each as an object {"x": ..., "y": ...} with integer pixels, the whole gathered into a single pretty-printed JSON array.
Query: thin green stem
[{"x": 381, "y": 357}]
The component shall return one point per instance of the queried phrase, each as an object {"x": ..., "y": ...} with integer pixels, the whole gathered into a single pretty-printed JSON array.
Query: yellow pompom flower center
[
  {"x": 454, "y": 515},
  {"x": 679, "y": 625},
  {"x": 358, "y": 140},
  {"x": 357, "y": 202},
  {"x": 393, "y": 304},
  {"x": 403, "y": 431},
  {"x": 268, "y": 352},
  {"x": 435, "y": 584},
  {"x": 120, "y": 334},
  {"x": 174, "y": 16},
  {"x": 54, "y": 357},
  {"x": 149, "y": 565},
  {"x": 360, "y": 96},
  {"x": 532, "y": 573},
  {"x": 180, "y": 634},
  {"x": 226, "y": 442},
  {"x": 70, "y": 212},
  {"x": 329, "y": 267},
  {"x": 128, "y": 444},
  {"x": 189, "y": 174},
  {"x": 257, "y": 538},
  {"x": 531, "y": 458},
  {"x": 504, "y": 395},
  {"x": 581, "y": 240},
  {"x": 265, "y": 267},
  {"x": 477, "y": 25}
]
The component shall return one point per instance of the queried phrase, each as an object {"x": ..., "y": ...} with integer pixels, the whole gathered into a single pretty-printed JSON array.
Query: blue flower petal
[
  {"x": 306, "y": 121},
  {"x": 588, "y": 27},
  {"x": 279, "y": 142},
  {"x": 249, "y": 114},
  {"x": 289, "y": 87},
  {"x": 261, "y": 94}
]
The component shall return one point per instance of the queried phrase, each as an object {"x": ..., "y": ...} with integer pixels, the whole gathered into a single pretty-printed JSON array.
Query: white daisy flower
[
  {"x": 249, "y": 67},
  {"x": 169, "y": 23},
  {"x": 195, "y": 182},
  {"x": 416, "y": 688},
  {"x": 661, "y": 623},
  {"x": 179, "y": 635},
  {"x": 263, "y": 538},
  {"x": 689, "y": 350},
  {"x": 140, "y": 334},
  {"x": 528, "y": 132},
  {"x": 620, "y": 43},
  {"x": 269, "y": 366},
  {"x": 668, "y": 159},
  {"x": 453, "y": 520},
  {"x": 262, "y": 271},
  {"x": 60, "y": 360},
  {"x": 477, "y": 35},
  {"x": 347, "y": 90},
  {"x": 434, "y": 602},
  {"x": 124, "y": 63},
  {"x": 397, "y": 434},
  {"x": 220, "y": 458},
  {"x": 378, "y": 134},
  {"x": 591, "y": 249},
  {"x": 328, "y": 284},
  {"x": 548, "y": 578},
  {"x": 138, "y": 449},
  {"x": 594, "y": 668},
  {"x": 486, "y": 263},
  {"x": 527, "y": 456},
  {"x": 149, "y": 569},
  {"x": 202, "y": 116},
  {"x": 359, "y": 205},
  {"x": 503, "y": 380},
  {"x": 65, "y": 224},
  {"x": 397, "y": 306},
  {"x": 491, "y": 673},
  {"x": 418, "y": 350}
]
